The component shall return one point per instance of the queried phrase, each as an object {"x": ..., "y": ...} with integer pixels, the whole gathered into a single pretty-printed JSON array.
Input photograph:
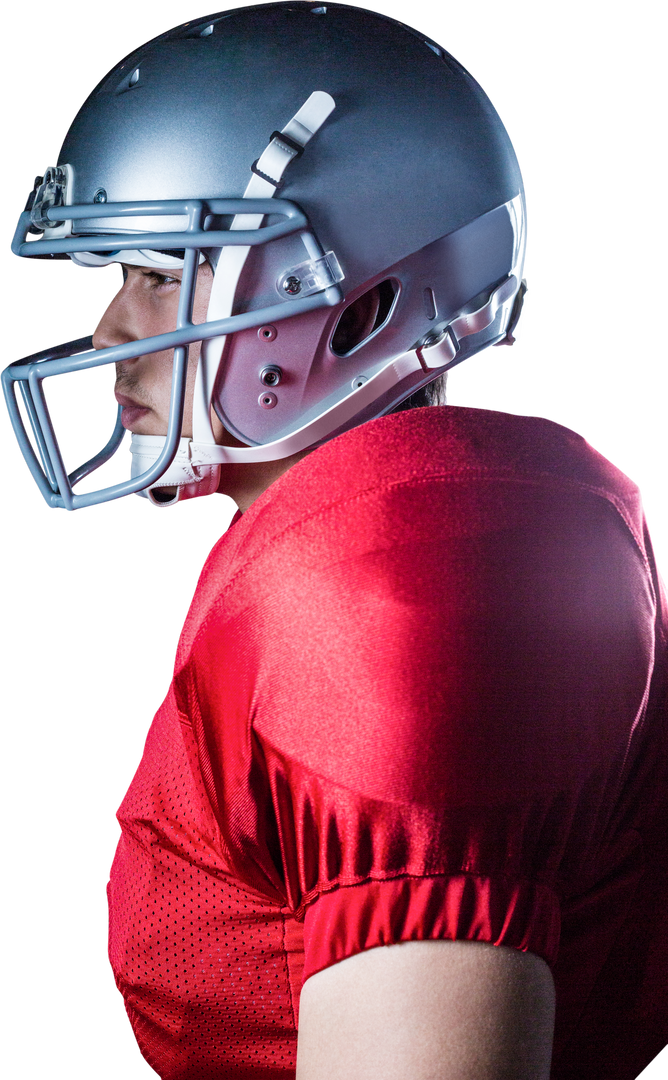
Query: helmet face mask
[{"x": 365, "y": 265}]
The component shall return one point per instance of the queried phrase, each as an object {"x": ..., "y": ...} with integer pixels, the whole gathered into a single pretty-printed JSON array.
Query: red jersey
[{"x": 419, "y": 695}]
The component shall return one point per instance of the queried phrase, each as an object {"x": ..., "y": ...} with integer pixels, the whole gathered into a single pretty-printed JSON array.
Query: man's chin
[{"x": 134, "y": 419}]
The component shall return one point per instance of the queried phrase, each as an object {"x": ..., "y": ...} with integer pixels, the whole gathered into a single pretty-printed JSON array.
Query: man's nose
[{"x": 114, "y": 326}]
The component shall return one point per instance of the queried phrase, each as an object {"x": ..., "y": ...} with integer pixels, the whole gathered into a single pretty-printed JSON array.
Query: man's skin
[{"x": 419, "y": 1010}]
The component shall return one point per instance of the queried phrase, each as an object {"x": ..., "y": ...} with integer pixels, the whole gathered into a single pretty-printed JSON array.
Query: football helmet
[{"x": 314, "y": 155}]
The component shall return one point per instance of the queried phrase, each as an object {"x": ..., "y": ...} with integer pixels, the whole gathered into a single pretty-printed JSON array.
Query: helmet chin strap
[{"x": 188, "y": 480}]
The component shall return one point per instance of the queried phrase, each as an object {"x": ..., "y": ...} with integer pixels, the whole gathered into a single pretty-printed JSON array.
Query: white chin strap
[{"x": 187, "y": 478}]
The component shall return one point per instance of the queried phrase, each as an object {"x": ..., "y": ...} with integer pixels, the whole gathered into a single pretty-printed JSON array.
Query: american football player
[{"x": 402, "y": 811}]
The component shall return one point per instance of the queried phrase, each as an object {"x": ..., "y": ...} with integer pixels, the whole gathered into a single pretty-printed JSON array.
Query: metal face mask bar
[{"x": 50, "y": 474}]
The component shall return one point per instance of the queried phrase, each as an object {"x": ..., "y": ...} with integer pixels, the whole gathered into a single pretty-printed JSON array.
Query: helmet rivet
[
  {"x": 358, "y": 381},
  {"x": 271, "y": 376},
  {"x": 100, "y": 196},
  {"x": 267, "y": 333},
  {"x": 267, "y": 400},
  {"x": 292, "y": 285}
]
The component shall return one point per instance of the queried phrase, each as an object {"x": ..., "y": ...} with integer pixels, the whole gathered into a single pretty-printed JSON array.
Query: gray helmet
[{"x": 371, "y": 259}]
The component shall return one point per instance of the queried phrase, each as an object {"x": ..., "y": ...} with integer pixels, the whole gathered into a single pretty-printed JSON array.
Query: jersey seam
[{"x": 317, "y": 891}]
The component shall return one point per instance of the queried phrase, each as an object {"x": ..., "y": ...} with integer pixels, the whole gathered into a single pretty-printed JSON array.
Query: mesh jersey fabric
[{"x": 420, "y": 693}]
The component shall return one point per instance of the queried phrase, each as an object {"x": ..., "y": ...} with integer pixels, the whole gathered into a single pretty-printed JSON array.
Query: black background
[{"x": 93, "y": 601}]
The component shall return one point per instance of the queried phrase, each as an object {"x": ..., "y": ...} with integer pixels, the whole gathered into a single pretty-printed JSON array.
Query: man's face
[{"x": 147, "y": 305}]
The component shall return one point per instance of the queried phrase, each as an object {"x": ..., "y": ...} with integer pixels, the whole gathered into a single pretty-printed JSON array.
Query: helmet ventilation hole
[{"x": 429, "y": 302}]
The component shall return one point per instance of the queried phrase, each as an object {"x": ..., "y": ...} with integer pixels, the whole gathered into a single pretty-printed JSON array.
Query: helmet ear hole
[{"x": 362, "y": 318}]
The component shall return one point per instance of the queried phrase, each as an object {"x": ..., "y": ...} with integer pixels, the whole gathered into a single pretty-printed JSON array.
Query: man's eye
[{"x": 156, "y": 280}]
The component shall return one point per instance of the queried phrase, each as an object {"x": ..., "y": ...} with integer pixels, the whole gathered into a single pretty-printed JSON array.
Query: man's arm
[{"x": 428, "y": 1010}]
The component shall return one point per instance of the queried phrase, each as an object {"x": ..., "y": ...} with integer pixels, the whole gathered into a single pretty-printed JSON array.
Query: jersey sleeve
[{"x": 413, "y": 710}]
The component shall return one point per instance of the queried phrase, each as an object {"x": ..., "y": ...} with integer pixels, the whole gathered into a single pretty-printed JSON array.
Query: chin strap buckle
[{"x": 286, "y": 145}]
